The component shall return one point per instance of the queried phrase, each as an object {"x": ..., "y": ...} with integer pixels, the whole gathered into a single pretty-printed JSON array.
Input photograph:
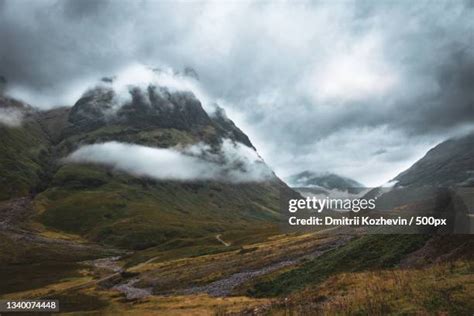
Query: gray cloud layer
[{"x": 358, "y": 88}]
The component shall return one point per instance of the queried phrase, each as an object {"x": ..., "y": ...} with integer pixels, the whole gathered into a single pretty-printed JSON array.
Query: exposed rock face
[{"x": 153, "y": 108}]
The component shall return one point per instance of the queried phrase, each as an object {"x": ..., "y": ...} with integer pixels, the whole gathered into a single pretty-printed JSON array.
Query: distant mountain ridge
[{"x": 326, "y": 180}]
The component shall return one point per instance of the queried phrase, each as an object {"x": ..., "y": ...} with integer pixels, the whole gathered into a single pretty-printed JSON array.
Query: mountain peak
[{"x": 144, "y": 99}]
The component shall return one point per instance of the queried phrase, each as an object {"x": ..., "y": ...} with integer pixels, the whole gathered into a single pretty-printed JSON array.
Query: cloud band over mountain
[{"x": 233, "y": 163}]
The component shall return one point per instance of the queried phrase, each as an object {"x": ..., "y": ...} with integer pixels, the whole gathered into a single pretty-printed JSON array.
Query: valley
[{"x": 106, "y": 236}]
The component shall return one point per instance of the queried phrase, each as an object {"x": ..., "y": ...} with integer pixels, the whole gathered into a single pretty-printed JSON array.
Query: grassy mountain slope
[
  {"x": 449, "y": 163},
  {"x": 24, "y": 153},
  {"x": 366, "y": 253},
  {"x": 116, "y": 209}
]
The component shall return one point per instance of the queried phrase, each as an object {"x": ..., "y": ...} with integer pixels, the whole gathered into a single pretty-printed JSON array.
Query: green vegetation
[
  {"x": 31, "y": 276},
  {"x": 441, "y": 289},
  {"x": 23, "y": 159},
  {"x": 163, "y": 137},
  {"x": 365, "y": 253},
  {"x": 16, "y": 251},
  {"x": 79, "y": 302},
  {"x": 127, "y": 212}
]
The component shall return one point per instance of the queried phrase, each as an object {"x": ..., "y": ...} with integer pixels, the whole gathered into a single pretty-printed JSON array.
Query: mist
[
  {"x": 233, "y": 163},
  {"x": 10, "y": 117}
]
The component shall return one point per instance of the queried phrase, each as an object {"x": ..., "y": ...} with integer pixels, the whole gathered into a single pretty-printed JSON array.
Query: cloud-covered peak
[{"x": 12, "y": 112}]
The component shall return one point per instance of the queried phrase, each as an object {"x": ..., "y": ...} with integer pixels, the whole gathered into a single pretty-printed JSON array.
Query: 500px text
[{"x": 367, "y": 221}]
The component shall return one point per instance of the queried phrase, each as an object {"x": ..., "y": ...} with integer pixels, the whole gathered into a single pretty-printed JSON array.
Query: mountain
[
  {"x": 328, "y": 181},
  {"x": 450, "y": 163},
  {"x": 103, "y": 203},
  {"x": 440, "y": 183}
]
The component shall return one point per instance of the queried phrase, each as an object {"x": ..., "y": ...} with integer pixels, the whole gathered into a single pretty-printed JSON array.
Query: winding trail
[{"x": 218, "y": 237}]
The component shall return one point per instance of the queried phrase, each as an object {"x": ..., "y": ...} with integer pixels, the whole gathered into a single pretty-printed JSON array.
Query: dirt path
[{"x": 218, "y": 237}]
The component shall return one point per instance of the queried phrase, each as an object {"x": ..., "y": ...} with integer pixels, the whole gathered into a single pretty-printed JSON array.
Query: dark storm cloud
[
  {"x": 317, "y": 85},
  {"x": 48, "y": 44}
]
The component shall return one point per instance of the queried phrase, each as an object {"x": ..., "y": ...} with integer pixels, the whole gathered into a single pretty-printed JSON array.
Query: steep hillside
[
  {"x": 24, "y": 150},
  {"x": 450, "y": 163}
]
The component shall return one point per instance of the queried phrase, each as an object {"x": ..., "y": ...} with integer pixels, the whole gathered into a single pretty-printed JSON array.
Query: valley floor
[
  {"x": 273, "y": 277},
  {"x": 268, "y": 274}
]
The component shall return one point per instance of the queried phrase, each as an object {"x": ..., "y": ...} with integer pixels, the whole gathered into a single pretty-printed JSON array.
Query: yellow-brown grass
[{"x": 440, "y": 289}]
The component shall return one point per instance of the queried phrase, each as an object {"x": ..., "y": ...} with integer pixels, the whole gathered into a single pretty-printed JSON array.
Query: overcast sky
[{"x": 361, "y": 88}]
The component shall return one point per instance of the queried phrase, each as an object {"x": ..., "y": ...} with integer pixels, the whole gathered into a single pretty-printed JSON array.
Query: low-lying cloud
[
  {"x": 10, "y": 117},
  {"x": 234, "y": 162}
]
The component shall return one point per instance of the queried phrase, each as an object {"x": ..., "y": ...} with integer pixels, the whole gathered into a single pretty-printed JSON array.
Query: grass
[
  {"x": 442, "y": 289},
  {"x": 366, "y": 253},
  {"x": 122, "y": 211},
  {"x": 364, "y": 281},
  {"x": 18, "y": 251},
  {"x": 79, "y": 302},
  {"x": 24, "y": 153},
  {"x": 171, "y": 275},
  {"x": 16, "y": 278},
  {"x": 195, "y": 247},
  {"x": 163, "y": 137}
]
